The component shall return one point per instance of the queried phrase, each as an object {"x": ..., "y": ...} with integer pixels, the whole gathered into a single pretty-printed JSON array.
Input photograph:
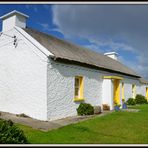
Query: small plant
[
  {"x": 10, "y": 134},
  {"x": 117, "y": 106},
  {"x": 115, "y": 103},
  {"x": 85, "y": 109},
  {"x": 106, "y": 107},
  {"x": 124, "y": 104},
  {"x": 22, "y": 115},
  {"x": 123, "y": 100},
  {"x": 131, "y": 101},
  {"x": 140, "y": 99}
]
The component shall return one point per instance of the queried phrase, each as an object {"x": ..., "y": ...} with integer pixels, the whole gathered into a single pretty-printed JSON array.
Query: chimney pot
[
  {"x": 12, "y": 19},
  {"x": 112, "y": 55}
]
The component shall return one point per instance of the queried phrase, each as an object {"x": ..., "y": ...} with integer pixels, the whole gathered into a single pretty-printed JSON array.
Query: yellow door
[
  {"x": 147, "y": 93},
  {"x": 117, "y": 91}
]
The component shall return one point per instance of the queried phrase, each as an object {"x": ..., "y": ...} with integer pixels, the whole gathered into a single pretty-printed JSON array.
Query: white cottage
[{"x": 46, "y": 78}]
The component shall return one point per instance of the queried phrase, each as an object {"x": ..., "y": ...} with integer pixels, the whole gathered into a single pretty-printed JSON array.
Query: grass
[{"x": 115, "y": 128}]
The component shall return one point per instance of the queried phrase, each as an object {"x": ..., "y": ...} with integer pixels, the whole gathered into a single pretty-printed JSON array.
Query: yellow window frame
[{"x": 80, "y": 87}]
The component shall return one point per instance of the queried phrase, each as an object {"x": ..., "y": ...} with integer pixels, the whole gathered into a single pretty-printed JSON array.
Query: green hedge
[
  {"x": 85, "y": 109},
  {"x": 10, "y": 134},
  {"x": 131, "y": 101},
  {"x": 140, "y": 99}
]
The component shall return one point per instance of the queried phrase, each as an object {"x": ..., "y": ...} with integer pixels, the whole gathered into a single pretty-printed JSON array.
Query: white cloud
[
  {"x": 120, "y": 27},
  {"x": 45, "y": 26},
  {"x": 33, "y": 7},
  {"x": 46, "y": 7}
]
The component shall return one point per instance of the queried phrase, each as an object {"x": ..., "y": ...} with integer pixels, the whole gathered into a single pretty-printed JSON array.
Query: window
[{"x": 78, "y": 87}]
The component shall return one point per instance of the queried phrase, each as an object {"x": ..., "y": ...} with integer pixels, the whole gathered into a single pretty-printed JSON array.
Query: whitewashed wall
[
  {"x": 140, "y": 88},
  {"x": 23, "y": 77},
  {"x": 97, "y": 91},
  {"x": 61, "y": 89}
]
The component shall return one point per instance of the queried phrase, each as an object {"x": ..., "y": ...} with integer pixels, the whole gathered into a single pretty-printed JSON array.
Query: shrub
[
  {"x": 85, "y": 109},
  {"x": 10, "y": 134},
  {"x": 140, "y": 99},
  {"x": 131, "y": 101}
]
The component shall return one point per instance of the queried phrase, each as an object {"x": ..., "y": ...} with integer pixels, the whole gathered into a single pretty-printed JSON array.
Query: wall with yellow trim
[
  {"x": 61, "y": 101},
  {"x": 128, "y": 88},
  {"x": 96, "y": 91}
]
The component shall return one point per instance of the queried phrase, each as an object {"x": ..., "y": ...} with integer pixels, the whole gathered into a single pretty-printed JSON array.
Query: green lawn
[{"x": 114, "y": 128}]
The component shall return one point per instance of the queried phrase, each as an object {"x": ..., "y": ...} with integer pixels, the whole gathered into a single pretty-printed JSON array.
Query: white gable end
[
  {"x": 34, "y": 42},
  {"x": 23, "y": 77}
]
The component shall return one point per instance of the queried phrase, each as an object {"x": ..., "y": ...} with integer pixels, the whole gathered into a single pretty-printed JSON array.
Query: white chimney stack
[
  {"x": 12, "y": 19},
  {"x": 112, "y": 55}
]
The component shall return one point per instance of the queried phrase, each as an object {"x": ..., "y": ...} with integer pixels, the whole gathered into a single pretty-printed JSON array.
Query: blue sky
[
  {"x": 103, "y": 28},
  {"x": 40, "y": 17}
]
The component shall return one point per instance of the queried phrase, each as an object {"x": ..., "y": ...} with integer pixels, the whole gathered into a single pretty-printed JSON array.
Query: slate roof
[{"x": 65, "y": 50}]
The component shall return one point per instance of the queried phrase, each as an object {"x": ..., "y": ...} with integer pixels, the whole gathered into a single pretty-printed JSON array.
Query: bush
[
  {"x": 140, "y": 99},
  {"x": 85, "y": 109},
  {"x": 10, "y": 134},
  {"x": 131, "y": 101}
]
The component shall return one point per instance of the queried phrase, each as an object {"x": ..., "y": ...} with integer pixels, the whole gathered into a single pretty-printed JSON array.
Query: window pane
[
  {"x": 77, "y": 83},
  {"x": 76, "y": 92}
]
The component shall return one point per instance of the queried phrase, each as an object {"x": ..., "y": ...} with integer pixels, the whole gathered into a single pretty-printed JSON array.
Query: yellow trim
[
  {"x": 123, "y": 97},
  {"x": 78, "y": 99},
  {"x": 112, "y": 77},
  {"x": 147, "y": 93},
  {"x": 133, "y": 90},
  {"x": 81, "y": 87},
  {"x": 117, "y": 92}
]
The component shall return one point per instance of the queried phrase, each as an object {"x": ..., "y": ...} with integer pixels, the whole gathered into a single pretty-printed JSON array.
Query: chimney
[
  {"x": 112, "y": 55},
  {"x": 12, "y": 19}
]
